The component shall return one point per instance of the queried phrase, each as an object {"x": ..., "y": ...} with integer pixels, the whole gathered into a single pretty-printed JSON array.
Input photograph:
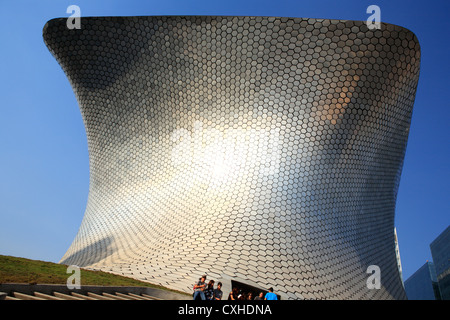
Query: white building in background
[{"x": 397, "y": 253}]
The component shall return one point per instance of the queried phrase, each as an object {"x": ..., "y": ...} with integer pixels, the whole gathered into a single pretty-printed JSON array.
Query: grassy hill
[{"x": 21, "y": 270}]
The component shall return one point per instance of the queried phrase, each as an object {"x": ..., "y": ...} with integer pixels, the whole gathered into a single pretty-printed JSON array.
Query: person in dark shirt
[
  {"x": 260, "y": 296},
  {"x": 209, "y": 291},
  {"x": 218, "y": 292},
  {"x": 233, "y": 295},
  {"x": 242, "y": 295}
]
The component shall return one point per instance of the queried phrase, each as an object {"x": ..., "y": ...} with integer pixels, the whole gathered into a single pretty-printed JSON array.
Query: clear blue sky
[{"x": 44, "y": 166}]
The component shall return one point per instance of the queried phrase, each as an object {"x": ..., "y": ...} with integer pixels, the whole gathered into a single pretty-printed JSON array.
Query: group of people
[
  {"x": 237, "y": 294},
  {"x": 206, "y": 291}
]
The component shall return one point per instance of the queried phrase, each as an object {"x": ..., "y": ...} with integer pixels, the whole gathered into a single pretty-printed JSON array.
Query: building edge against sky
[
  {"x": 261, "y": 150},
  {"x": 440, "y": 251},
  {"x": 431, "y": 281},
  {"x": 397, "y": 253},
  {"x": 422, "y": 285}
]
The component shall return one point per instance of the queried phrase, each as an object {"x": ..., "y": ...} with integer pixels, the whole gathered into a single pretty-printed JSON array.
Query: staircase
[
  {"x": 61, "y": 292},
  {"x": 77, "y": 296}
]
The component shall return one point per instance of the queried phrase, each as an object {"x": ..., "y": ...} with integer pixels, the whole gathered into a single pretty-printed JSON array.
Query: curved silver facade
[{"x": 257, "y": 149}]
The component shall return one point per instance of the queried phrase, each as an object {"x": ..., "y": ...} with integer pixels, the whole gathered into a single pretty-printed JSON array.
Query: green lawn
[{"x": 21, "y": 270}]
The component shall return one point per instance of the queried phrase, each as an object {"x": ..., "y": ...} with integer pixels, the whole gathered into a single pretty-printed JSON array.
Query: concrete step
[
  {"x": 140, "y": 296},
  {"x": 79, "y": 295},
  {"x": 98, "y": 296},
  {"x": 115, "y": 297},
  {"x": 46, "y": 296},
  {"x": 66, "y": 296},
  {"x": 150, "y": 297},
  {"x": 24, "y": 296},
  {"x": 129, "y": 296}
]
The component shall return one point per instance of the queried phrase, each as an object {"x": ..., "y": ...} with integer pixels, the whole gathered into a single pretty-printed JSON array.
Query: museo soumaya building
[{"x": 260, "y": 151}]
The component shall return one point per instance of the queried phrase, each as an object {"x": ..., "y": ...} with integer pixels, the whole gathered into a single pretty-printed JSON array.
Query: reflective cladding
[{"x": 262, "y": 150}]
